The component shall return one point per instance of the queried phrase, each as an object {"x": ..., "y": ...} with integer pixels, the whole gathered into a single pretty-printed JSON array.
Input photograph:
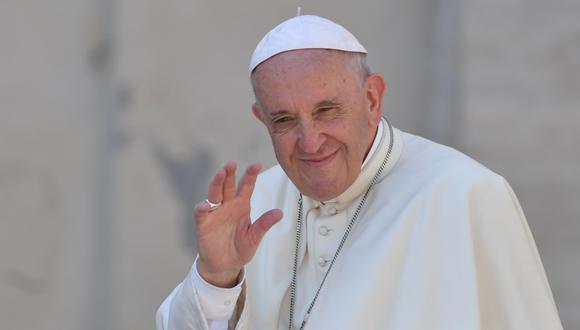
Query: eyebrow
[{"x": 327, "y": 103}]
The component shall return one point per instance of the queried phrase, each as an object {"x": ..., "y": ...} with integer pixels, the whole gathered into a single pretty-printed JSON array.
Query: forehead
[
  {"x": 307, "y": 75},
  {"x": 300, "y": 60}
]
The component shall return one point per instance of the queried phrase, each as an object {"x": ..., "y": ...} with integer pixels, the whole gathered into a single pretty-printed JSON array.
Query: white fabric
[
  {"x": 441, "y": 244},
  {"x": 217, "y": 304},
  {"x": 204, "y": 302},
  {"x": 302, "y": 32},
  {"x": 181, "y": 309}
]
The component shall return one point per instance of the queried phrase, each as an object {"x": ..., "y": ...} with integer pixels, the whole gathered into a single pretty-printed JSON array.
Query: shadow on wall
[{"x": 183, "y": 175}]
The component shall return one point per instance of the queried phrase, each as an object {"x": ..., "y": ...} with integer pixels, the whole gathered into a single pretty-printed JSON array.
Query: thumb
[{"x": 259, "y": 228}]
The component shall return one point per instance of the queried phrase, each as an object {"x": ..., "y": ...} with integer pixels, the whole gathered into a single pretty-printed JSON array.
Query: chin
[
  {"x": 321, "y": 185},
  {"x": 323, "y": 191}
]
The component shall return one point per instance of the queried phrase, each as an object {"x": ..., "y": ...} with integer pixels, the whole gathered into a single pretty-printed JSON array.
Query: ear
[
  {"x": 375, "y": 88},
  {"x": 257, "y": 112}
]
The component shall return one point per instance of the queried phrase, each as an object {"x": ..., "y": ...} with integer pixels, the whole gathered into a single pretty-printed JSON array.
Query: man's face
[{"x": 321, "y": 115}]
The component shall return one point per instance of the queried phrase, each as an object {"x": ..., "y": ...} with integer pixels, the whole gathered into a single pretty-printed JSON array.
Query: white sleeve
[
  {"x": 217, "y": 303},
  {"x": 197, "y": 305}
]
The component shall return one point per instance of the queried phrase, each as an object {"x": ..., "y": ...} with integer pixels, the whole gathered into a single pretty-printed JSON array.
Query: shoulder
[
  {"x": 430, "y": 172},
  {"x": 435, "y": 161},
  {"x": 453, "y": 188}
]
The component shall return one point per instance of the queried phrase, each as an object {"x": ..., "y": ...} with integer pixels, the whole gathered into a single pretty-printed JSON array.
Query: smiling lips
[{"x": 319, "y": 161}]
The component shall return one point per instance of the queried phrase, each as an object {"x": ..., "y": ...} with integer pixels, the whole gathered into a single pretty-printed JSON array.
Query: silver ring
[{"x": 212, "y": 206}]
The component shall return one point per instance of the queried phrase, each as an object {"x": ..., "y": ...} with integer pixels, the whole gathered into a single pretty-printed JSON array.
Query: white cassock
[{"x": 441, "y": 243}]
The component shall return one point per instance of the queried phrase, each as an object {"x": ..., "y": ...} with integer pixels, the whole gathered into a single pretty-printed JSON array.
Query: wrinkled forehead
[
  {"x": 305, "y": 61},
  {"x": 305, "y": 77}
]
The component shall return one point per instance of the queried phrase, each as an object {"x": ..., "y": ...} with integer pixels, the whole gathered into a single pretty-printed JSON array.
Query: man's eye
[
  {"x": 281, "y": 120},
  {"x": 327, "y": 113},
  {"x": 283, "y": 124}
]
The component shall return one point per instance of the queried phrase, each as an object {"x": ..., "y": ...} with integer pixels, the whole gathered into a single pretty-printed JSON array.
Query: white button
[
  {"x": 227, "y": 302},
  {"x": 321, "y": 261},
  {"x": 332, "y": 210},
  {"x": 323, "y": 230}
]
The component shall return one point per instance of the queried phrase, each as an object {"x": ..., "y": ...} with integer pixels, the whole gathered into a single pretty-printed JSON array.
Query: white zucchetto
[{"x": 303, "y": 32}]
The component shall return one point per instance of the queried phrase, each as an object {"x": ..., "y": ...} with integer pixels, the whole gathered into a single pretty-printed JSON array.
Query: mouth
[{"x": 320, "y": 161}]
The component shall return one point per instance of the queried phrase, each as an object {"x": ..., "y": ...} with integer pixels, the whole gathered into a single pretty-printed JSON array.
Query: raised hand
[{"x": 226, "y": 238}]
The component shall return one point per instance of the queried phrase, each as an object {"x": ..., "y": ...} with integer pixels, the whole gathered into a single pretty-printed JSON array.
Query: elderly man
[{"x": 361, "y": 226}]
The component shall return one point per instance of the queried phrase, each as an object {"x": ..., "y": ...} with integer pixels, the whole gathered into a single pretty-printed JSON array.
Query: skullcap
[{"x": 303, "y": 32}]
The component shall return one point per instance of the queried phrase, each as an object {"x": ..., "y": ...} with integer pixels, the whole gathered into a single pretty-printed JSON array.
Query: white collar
[{"x": 375, "y": 145}]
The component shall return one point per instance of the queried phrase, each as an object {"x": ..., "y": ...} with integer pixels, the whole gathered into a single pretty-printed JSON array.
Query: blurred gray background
[{"x": 114, "y": 114}]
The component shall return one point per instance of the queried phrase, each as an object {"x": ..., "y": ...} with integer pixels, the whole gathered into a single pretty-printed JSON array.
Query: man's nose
[{"x": 310, "y": 138}]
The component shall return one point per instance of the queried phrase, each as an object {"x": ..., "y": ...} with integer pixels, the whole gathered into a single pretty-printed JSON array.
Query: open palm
[{"x": 226, "y": 237}]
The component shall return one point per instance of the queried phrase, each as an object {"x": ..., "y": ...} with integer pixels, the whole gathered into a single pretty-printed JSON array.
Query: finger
[
  {"x": 230, "y": 181},
  {"x": 259, "y": 228},
  {"x": 216, "y": 187},
  {"x": 201, "y": 211},
  {"x": 246, "y": 186}
]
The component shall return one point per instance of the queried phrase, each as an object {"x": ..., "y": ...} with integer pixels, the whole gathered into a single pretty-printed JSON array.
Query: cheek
[{"x": 283, "y": 147}]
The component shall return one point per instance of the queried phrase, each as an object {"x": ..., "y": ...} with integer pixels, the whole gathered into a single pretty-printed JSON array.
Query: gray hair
[{"x": 359, "y": 62}]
